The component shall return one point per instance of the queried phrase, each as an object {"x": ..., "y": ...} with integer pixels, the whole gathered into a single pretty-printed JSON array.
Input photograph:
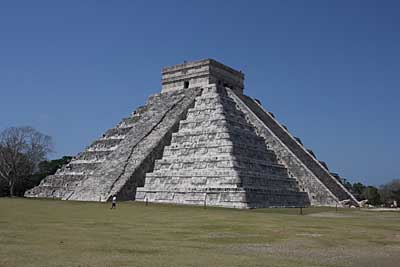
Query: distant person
[{"x": 114, "y": 202}]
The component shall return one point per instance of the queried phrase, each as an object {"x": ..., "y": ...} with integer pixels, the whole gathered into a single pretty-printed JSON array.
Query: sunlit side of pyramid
[{"x": 201, "y": 141}]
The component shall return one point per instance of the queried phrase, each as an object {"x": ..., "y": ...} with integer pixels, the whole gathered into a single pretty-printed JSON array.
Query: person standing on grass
[{"x": 114, "y": 202}]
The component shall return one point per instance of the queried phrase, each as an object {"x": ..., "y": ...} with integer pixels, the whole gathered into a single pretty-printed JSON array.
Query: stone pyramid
[{"x": 201, "y": 141}]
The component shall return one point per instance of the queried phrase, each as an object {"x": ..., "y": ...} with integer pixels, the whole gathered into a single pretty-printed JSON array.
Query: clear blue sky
[{"x": 329, "y": 70}]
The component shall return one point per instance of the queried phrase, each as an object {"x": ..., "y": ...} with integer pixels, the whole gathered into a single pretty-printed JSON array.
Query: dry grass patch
[{"x": 58, "y": 233}]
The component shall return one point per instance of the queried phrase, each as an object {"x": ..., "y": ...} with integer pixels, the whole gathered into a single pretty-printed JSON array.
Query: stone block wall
[{"x": 200, "y": 74}]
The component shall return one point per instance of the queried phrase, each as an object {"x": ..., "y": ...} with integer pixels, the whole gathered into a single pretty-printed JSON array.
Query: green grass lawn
[{"x": 60, "y": 233}]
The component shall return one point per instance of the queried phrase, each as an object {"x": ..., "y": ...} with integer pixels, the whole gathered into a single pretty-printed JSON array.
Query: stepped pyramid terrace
[{"x": 201, "y": 141}]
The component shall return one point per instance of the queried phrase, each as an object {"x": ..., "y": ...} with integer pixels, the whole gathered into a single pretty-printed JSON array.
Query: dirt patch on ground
[
  {"x": 383, "y": 209},
  {"x": 330, "y": 215},
  {"x": 309, "y": 251},
  {"x": 310, "y": 234}
]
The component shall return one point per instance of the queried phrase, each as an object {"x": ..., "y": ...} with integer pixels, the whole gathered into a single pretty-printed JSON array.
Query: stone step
[
  {"x": 165, "y": 96},
  {"x": 225, "y": 132},
  {"x": 82, "y": 167},
  {"x": 102, "y": 149},
  {"x": 216, "y": 143},
  {"x": 288, "y": 184},
  {"x": 104, "y": 144},
  {"x": 66, "y": 172},
  {"x": 266, "y": 198},
  {"x": 142, "y": 109},
  {"x": 265, "y": 168},
  {"x": 62, "y": 179},
  {"x": 229, "y": 151},
  {"x": 161, "y": 102},
  {"x": 214, "y": 123},
  {"x": 213, "y": 102},
  {"x": 173, "y": 182},
  {"x": 216, "y": 106},
  {"x": 87, "y": 161},
  {"x": 208, "y": 163},
  {"x": 210, "y": 190},
  {"x": 216, "y": 157},
  {"x": 45, "y": 191},
  {"x": 226, "y": 197},
  {"x": 93, "y": 155},
  {"x": 235, "y": 175},
  {"x": 128, "y": 122},
  {"x": 217, "y": 116},
  {"x": 212, "y": 98},
  {"x": 219, "y": 108},
  {"x": 248, "y": 151},
  {"x": 118, "y": 131},
  {"x": 209, "y": 168},
  {"x": 114, "y": 137},
  {"x": 207, "y": 112},
  {"x": 229, "y": 133}
]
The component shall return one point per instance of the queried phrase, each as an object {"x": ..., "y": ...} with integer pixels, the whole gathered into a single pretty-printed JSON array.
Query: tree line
[
  {"x": 23, "y": 164},
  {"x": 23, "y": 160},
  {"x": 383, "y": 195}
]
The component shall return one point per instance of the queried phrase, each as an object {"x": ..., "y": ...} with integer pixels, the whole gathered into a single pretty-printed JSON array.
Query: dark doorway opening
[{"x": 186, "y": 84}]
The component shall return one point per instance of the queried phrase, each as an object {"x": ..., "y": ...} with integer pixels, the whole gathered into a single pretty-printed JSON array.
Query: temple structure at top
[{"x": 200, "y": 74}]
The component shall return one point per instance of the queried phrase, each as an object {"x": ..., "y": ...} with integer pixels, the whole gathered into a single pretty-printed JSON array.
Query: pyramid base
[{"x": 241, "y": 198}]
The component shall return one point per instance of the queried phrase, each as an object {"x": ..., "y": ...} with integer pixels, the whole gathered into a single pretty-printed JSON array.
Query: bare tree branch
[{"x": 21, "y": 150}]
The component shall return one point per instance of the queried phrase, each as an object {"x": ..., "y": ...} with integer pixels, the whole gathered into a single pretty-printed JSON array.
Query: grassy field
[{"x": 58, "y": 233}]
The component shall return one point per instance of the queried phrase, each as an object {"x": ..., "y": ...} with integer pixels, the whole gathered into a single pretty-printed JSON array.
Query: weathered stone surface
[{"x": 201, "y": 141}]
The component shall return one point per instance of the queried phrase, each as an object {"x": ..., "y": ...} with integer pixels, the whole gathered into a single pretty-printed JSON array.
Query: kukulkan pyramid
[{"x": 201, "y": 141}]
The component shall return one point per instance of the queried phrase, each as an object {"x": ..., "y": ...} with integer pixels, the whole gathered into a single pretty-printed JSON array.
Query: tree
[
  {"x": 371, "y": 193},
  {"x": 390, "y": 191},
  {"x": 51, "y": 166},
  {"x": 45, "y": 168},
  {"x": 21, "y": 150},
  {"x": 3, "y": 188},
  {"x": 358, "y": 189}
]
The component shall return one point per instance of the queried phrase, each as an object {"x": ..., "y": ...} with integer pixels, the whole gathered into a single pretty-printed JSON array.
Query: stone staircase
[
  {"x": 116, "y": 162},
  {"x": 216, "y": 158}
]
